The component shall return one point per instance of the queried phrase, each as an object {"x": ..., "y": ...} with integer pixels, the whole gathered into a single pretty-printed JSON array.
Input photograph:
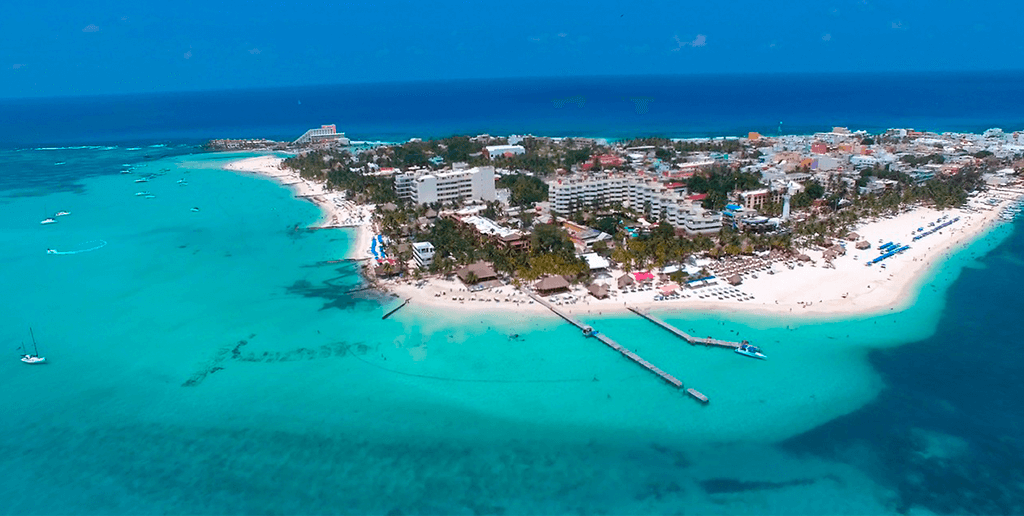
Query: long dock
[
  {"x": 686, "y": 336},
  {"x": 589, "y": 331},
  {"x": 397, "y": 308}
]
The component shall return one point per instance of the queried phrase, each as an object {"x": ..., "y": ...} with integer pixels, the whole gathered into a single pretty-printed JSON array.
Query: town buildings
[
  {"x": 601, "y": 190},
  {"x": 496, "y": 151},
  {"x": 324, "y": 133},
  {"x": 425, "y": 187},
  {"x": 423, "y": 253}
]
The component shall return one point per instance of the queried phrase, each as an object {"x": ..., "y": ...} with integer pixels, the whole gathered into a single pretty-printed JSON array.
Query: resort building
[
  {"x": 756, "y": 199},
  {"x": 501, "y": 236},
  {"x": 424, "y": 187},
  {"x": 656, "y": 199},
  {"x": 423, "y": 253},
  {"x": 497, "y": 151},
  {"x": 593, "y": 190},
  {"x": 325, "y": 132}
]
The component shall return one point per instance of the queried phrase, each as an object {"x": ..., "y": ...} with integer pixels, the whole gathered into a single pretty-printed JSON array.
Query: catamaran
[
  {"x": 34, "y": 358},
  {"x": 750, "y": 351}
]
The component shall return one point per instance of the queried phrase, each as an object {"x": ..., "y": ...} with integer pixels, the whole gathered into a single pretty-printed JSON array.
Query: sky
[{"x": 114, "y": 47}]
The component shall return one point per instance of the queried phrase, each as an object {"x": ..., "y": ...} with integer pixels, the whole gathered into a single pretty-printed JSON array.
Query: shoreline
[
  {"x": 336, "y": 212},
  {"x": 815, "y": 291}
]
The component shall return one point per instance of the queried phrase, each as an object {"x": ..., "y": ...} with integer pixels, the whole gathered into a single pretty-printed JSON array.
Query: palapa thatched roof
[
  {"x": 625, "y": 280},
  {"x": 598, "y": 290},
  {"x": 803, "y": 257},
  {"x": 735, "y": 279},
  {"x": 852, "y": 236},
  {"x": 551, "y": 283},
  {"x": 482, "y": 270},
  {"x": 863, "y": 244}
]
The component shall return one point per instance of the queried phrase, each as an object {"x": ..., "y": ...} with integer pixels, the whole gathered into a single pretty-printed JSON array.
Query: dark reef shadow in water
[
  {"x": 947, "y": 434},
  {"x": 339, "y": 291},
  {"x": 730, "y": 485},
  {"x": 235, "y": 352}
]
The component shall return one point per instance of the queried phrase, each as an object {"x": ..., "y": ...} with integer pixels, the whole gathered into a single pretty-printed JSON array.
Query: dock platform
[
  {"x": 397, "y": 308},
  {"x": 697, "y": 395},
  {"x": 686, "y": 336},
  {"x": 589, "y": 331}
]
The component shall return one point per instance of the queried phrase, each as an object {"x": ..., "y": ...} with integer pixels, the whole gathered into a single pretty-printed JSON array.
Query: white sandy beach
[
  {"x": 337, "y": 212},
  {"x": 807, "y": 288},
  {"x": 810, "y": 288}
]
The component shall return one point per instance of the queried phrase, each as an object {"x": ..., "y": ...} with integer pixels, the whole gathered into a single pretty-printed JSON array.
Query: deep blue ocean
[
  {"x": 215, "y": 362},
  {"x": 611, "y": 107}
]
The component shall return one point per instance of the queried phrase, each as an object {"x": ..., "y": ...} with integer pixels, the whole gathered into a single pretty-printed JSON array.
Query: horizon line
[{"x": 519, "y": 78}]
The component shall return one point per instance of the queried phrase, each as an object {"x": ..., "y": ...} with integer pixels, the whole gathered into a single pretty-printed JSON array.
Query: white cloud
[
  {"x": 17, "y": 66},
  {"x": 91, "y": 28},
  {"x": 254, "y": 51},
  {"x": 700, "y": 41},
  {"x": 188, "y": 55},
  {"x": 898, "y": 25},
  {"x": 826, "y": 37},
  {"x": 562, "y": 34}
]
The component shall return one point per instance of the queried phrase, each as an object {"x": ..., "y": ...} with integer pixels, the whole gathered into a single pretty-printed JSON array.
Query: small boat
[
  {"x": 51, "y": 251},
  {"x": 48, "y": 220},
  {"x": 195, "y": 209},
  {"x": 140, "y": 194},
  {"x": 34, "y": 358},
  {"x": 142, "y": 180},
  {"x": 62, "y": 213},
  {"x": 126, "y": 171},
  {"x": 750, "y": 351},
  {"x": 60, "y": 163}
]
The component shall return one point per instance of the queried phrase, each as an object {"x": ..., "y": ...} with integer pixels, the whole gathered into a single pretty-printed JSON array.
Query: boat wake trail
[{"x": 87, "y": 246}]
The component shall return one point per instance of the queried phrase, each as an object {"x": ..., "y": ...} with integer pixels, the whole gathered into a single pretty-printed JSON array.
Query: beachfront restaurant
[
  {"x": 551, "y": 285},
  {"x": 598, "y": 290},
  {"x": 476, "y": 272}
]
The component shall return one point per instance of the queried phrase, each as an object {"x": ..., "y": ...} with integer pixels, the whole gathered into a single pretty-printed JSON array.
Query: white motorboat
[
  {"x": 142, "y": 180},
  {"x": 62, "y": 213},
  {"x": 751, "y": 351},
  {"x": 48, "y": 220}
]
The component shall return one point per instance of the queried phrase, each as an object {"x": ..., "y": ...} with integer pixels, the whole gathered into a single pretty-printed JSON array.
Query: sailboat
[{"x": 34, "y": 358}]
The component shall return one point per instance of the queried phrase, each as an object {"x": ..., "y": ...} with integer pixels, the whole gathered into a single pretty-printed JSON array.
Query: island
[{"x": 826, "y": 224}]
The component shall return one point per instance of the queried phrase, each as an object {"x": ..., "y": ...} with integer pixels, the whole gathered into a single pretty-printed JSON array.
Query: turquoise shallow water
[{"x": 209, "y": 362}]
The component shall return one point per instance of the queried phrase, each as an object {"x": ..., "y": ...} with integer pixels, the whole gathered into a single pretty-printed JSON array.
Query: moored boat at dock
[{"x": 751, "y": 351}]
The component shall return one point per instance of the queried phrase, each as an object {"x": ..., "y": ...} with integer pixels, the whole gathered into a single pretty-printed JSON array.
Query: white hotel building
[
  {"x": 598, "y": 190},
  {"x": 424, "y": 187}
]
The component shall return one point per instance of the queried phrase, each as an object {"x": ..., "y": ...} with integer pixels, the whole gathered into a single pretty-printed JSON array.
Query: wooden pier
[
  {"x": 589, "y": 331},
  {"x": 686, "y": 336},
  {"x": 397, "y": 308},
  {"x": 697, "y": 395}
]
